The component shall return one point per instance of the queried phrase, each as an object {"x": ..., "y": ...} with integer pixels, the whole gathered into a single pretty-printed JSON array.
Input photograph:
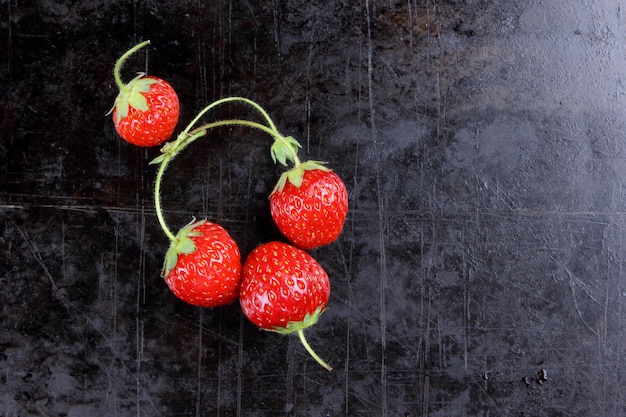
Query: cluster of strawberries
[{"x": 280, "y": 286}]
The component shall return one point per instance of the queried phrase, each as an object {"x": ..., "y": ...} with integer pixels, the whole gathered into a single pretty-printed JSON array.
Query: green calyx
[
  {"x": 182, "y": 244},
  {"x": 131, "y": 96},
  {"x": 285, "y": 148},
  {"x": 296, "y": 174},
  {"x": 309, "y": 320}
]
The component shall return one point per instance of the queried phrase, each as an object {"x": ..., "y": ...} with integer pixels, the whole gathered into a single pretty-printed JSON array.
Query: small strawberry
[
  {"x": 203, "y": 265},
  {"x": 309, "y": 205},
  {"x": 283, "y": 289},
  {"x": 146, "y": 109}
]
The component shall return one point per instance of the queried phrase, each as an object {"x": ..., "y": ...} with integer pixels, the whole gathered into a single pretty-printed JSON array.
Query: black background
[{"x": 481, "y": 270}]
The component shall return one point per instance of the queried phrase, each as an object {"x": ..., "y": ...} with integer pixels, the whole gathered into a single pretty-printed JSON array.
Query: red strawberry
[
  {"x": 309, "y": 205},
  {"x": 146, "y": 109},
  {"x": 203, "y": 266},
  {"x": 283, "y": 289},
  {"x": 146, "y": 112}
]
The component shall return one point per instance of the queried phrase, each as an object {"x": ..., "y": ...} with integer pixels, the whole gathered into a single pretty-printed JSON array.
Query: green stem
[
  {"x": 120, "y": 62},
  {"x": 271, "y": 129},
  {"x": 260, "y": 109},
  {"x": 157, "y": 199},
  {"x": 176, "y": 147},
  {"x": 183, "y": 140},
  {"x": 311, "y": 351},
  {"x": 237, "y": 122}
]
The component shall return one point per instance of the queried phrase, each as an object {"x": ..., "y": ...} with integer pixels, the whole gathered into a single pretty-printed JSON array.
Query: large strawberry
[
  {"x": 283, "y": 289},
  {"x": 309, "y": 205},
  {"x": 146, "y": 109},
  {"x": 203, "y": 265}
]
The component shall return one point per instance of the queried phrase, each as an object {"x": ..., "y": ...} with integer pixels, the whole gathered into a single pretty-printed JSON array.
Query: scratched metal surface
[{"x": 481, "y": 271}]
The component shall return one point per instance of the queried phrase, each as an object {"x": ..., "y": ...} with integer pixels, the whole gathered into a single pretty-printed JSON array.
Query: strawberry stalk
[
  {"x": 260, "y": 109},
  {"x": 283, "y": 150},
  {"x": 120, "y": 62},
  {"x": 298, "y": 327},
  {"x": 171, "y": 149},
  {"x": 311, "y": 351}
]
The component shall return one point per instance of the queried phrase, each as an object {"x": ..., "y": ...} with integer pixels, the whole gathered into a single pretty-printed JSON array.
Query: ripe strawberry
[
  {"x": 309, "y": 205},
  {"x": 203, "y": 266},
  {"x": 146, "y": 109},
  {"x": 283, "y": 289}
]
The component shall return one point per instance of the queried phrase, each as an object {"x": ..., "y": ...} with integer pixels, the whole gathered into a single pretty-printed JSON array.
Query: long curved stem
[
  {"x": 233, "y": 122},
  {"x": 269, "y": 130},
  {"x": 311, "y": 351},
  {"x": 120, "y": 62},
  {"x": 273, "y": 131},
  {"x": 216, "y": 103},
  {"x": 157, "y": 200},
  {"x": 183, "y": 140}
]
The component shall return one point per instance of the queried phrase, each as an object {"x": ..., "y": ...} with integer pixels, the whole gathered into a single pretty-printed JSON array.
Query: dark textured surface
[{"x": 481, "y": 271}]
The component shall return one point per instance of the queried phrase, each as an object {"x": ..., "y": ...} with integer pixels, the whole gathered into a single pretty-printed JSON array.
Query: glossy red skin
[
  {"x": 211, "y": 276},
  {"x": 155, "y": 126},
  {"x": 314, "y": 214},
  {"x": 281, "y": 284}
]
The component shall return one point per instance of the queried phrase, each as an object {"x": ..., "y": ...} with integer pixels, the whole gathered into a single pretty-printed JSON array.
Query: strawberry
[
  {"x": 146, "y": 109},
  {"x": 283, "y": 289},
  {"x": 203, "y": 265},
  {"x": 309, "y": 205}
]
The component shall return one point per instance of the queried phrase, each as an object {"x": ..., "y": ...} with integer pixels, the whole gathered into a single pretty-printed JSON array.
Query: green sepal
[
  {"x": 293, "y": 326},
  {"x": 167, "y": 151},
  {"x": 182, "y": 245},
  {"x": 296, "y": 174},
  {"x": 158, "y": 159},
  {"x": 131, "y": 96},
  {"x": 283, "y": 149}
]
